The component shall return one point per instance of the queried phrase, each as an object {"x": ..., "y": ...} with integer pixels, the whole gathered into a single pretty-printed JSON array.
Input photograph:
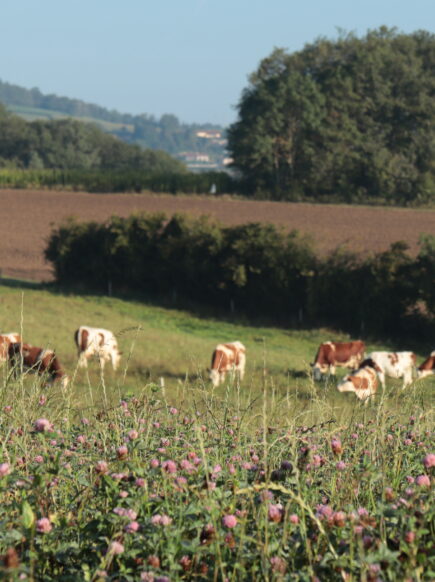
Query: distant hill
[{"x": 199, "y": 146}]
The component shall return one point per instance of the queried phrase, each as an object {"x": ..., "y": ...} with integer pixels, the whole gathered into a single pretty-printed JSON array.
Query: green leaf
[{"x": 27, "y": 515}]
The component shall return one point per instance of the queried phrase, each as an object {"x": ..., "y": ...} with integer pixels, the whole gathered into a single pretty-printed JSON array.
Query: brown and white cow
[
  {"x": 427, "y": 368},
  {"x": 98, "y": 342},
  {"x": 6, "y": 339},
  {"x": 42, "y": 361},
  {"x": 333, "y": 354},
  {"x": 364, "y": 381},
  {"x": 394, "y": 365},
  {"x": 227, "y": 357}
]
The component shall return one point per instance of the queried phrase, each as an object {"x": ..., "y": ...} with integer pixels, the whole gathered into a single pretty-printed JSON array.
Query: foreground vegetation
[{"x": 127, "y": 477}]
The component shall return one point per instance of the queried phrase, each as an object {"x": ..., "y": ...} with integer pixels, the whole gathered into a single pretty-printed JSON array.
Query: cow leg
[
  {"x": 102, "y": 361},
  {"x": 381, "y": 377},
  {"x": 407, "y": 379},
  {"x": 83, "y": 360}
]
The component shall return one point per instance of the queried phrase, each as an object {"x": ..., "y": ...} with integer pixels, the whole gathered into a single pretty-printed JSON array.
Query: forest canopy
[{"x": 351, "y": 120}]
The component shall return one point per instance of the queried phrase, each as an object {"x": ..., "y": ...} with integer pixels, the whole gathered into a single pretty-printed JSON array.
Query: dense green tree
[{"x": 352, "y": 118}]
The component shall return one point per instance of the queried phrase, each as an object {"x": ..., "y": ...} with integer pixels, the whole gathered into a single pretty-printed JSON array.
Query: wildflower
[
  {"x": 185, "y": 562},
  {"x": 339, "y": 518},
  {"x": 429, "y": 460},
  {"x": 169, "y": 467},
  {"x": 410, "y": 479},
  {"x": 140, "y": 482},
  {"x": 7, "y": 409},
  {"x": 123, "y": 494},
  {"x": 341, "y": 465},
  {"x": 286, "y": 466},
  {"x": 116, "y": 548},
  {"x": 275, "y": 512},
  {"x": 39, "y": 459},
  {"x": 187, "y": 466},
  {"x": 85, "y": 421},
  {"x": 42, "y": 400},
  {"x": 81, "y": 439},
  {"x": 101, "y": 467},
  {"x": 133, "y": 434},
  {"x": 409, "y": 537},
  {"x": 132, "y": 527},
  {"x": 173, "y": 410},
  {"x": 153, "y": 561},
  {"x": 165, "y": 520},
  {"x": 423, "y": 481},
  {"x": 5, "y": 469},
  {"x": 229, "y": 521},
  {"x": 147, "y": 577},
  {"x": 336, "y": 446},
  {"x": 389, "y": 494},
  {"x": 42, "y": 425},
  {"x": 122, "y": 452},
  {"x": 278, "y": 565},
  {"x": 294, "y": 519},
  {"x": 266, "y": 495},
  {"x": 43, "y": 525},
  {"x": 154, "y": 463}
]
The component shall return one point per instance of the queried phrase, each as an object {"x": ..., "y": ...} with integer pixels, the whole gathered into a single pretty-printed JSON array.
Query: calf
[
  {"x": 427, "y": 368},
  {"x": 227, "y": 357},
  {"x": 6, "y": 339},
  {"x": 39, "y": 360},
  {"x": 332, "y": 354},
  {"x": 93, "y": 341},
  {"x": 364, "y": 381}
]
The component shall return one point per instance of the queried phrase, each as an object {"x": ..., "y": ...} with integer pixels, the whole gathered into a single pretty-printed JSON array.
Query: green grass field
[{"x": 177, "y": 346}]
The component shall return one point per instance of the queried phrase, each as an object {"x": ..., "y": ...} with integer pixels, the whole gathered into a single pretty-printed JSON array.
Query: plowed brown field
[{"x": 27, "y": 217}]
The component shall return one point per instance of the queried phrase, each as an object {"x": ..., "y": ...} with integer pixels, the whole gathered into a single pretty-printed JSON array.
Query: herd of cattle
[{"x": 367, "y": 370}]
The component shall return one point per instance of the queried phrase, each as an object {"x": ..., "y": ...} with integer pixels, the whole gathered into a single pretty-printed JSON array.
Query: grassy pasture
[
  {"x": 119, "y": 480},
  {"x": 176, "y": 346}
]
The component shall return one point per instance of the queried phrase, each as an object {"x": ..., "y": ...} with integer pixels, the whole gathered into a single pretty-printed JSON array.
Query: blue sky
[{"x": 187, "y": 57}]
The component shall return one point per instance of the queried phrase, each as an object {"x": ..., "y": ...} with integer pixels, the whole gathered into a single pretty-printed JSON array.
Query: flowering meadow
[
  {"x": 207, "y": 488},
  {"x": 151, "y": 474}
]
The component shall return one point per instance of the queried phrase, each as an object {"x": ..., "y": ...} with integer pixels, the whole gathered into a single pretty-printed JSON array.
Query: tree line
[
  {"x": 67, "y": 144},
  {"x": 351, "y": 119},
  {"x": 254, "y": 269},
  {"x": 166, "y": 133}
]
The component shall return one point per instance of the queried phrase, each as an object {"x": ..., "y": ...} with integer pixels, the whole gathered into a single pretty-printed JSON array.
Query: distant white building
[{"x": 209, "y": 133}]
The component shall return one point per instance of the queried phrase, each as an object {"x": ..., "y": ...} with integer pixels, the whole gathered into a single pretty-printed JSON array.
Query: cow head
[
  {"x": 214, "y": 377},
  {"x": 346, "y": 385},
  {"x": 318, "y": 370}
]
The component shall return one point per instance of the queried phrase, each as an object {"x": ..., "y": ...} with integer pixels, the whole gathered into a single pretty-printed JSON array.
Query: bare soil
[{"x": 28, "y": 216}]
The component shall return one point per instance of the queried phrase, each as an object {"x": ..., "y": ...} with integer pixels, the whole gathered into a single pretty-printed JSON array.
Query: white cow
[
  {"x": 394, "y": 365},
  {"x": 94, "y": 341},
  {"x": 227, "y": 357}
]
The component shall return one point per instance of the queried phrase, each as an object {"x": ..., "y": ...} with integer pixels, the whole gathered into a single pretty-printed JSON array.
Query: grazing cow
[
  {"x": 6, "y": 339},
  {"x": 332, "y": 354},
  {"x": 227, "y": 357},
  {"x": 427, "y": 368},
  {"x": 92, "y": 341},
  {"x": 364, "y": 381},
  {"x": 394, "y": 365},
  {"x": 39, "y": 360}
]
